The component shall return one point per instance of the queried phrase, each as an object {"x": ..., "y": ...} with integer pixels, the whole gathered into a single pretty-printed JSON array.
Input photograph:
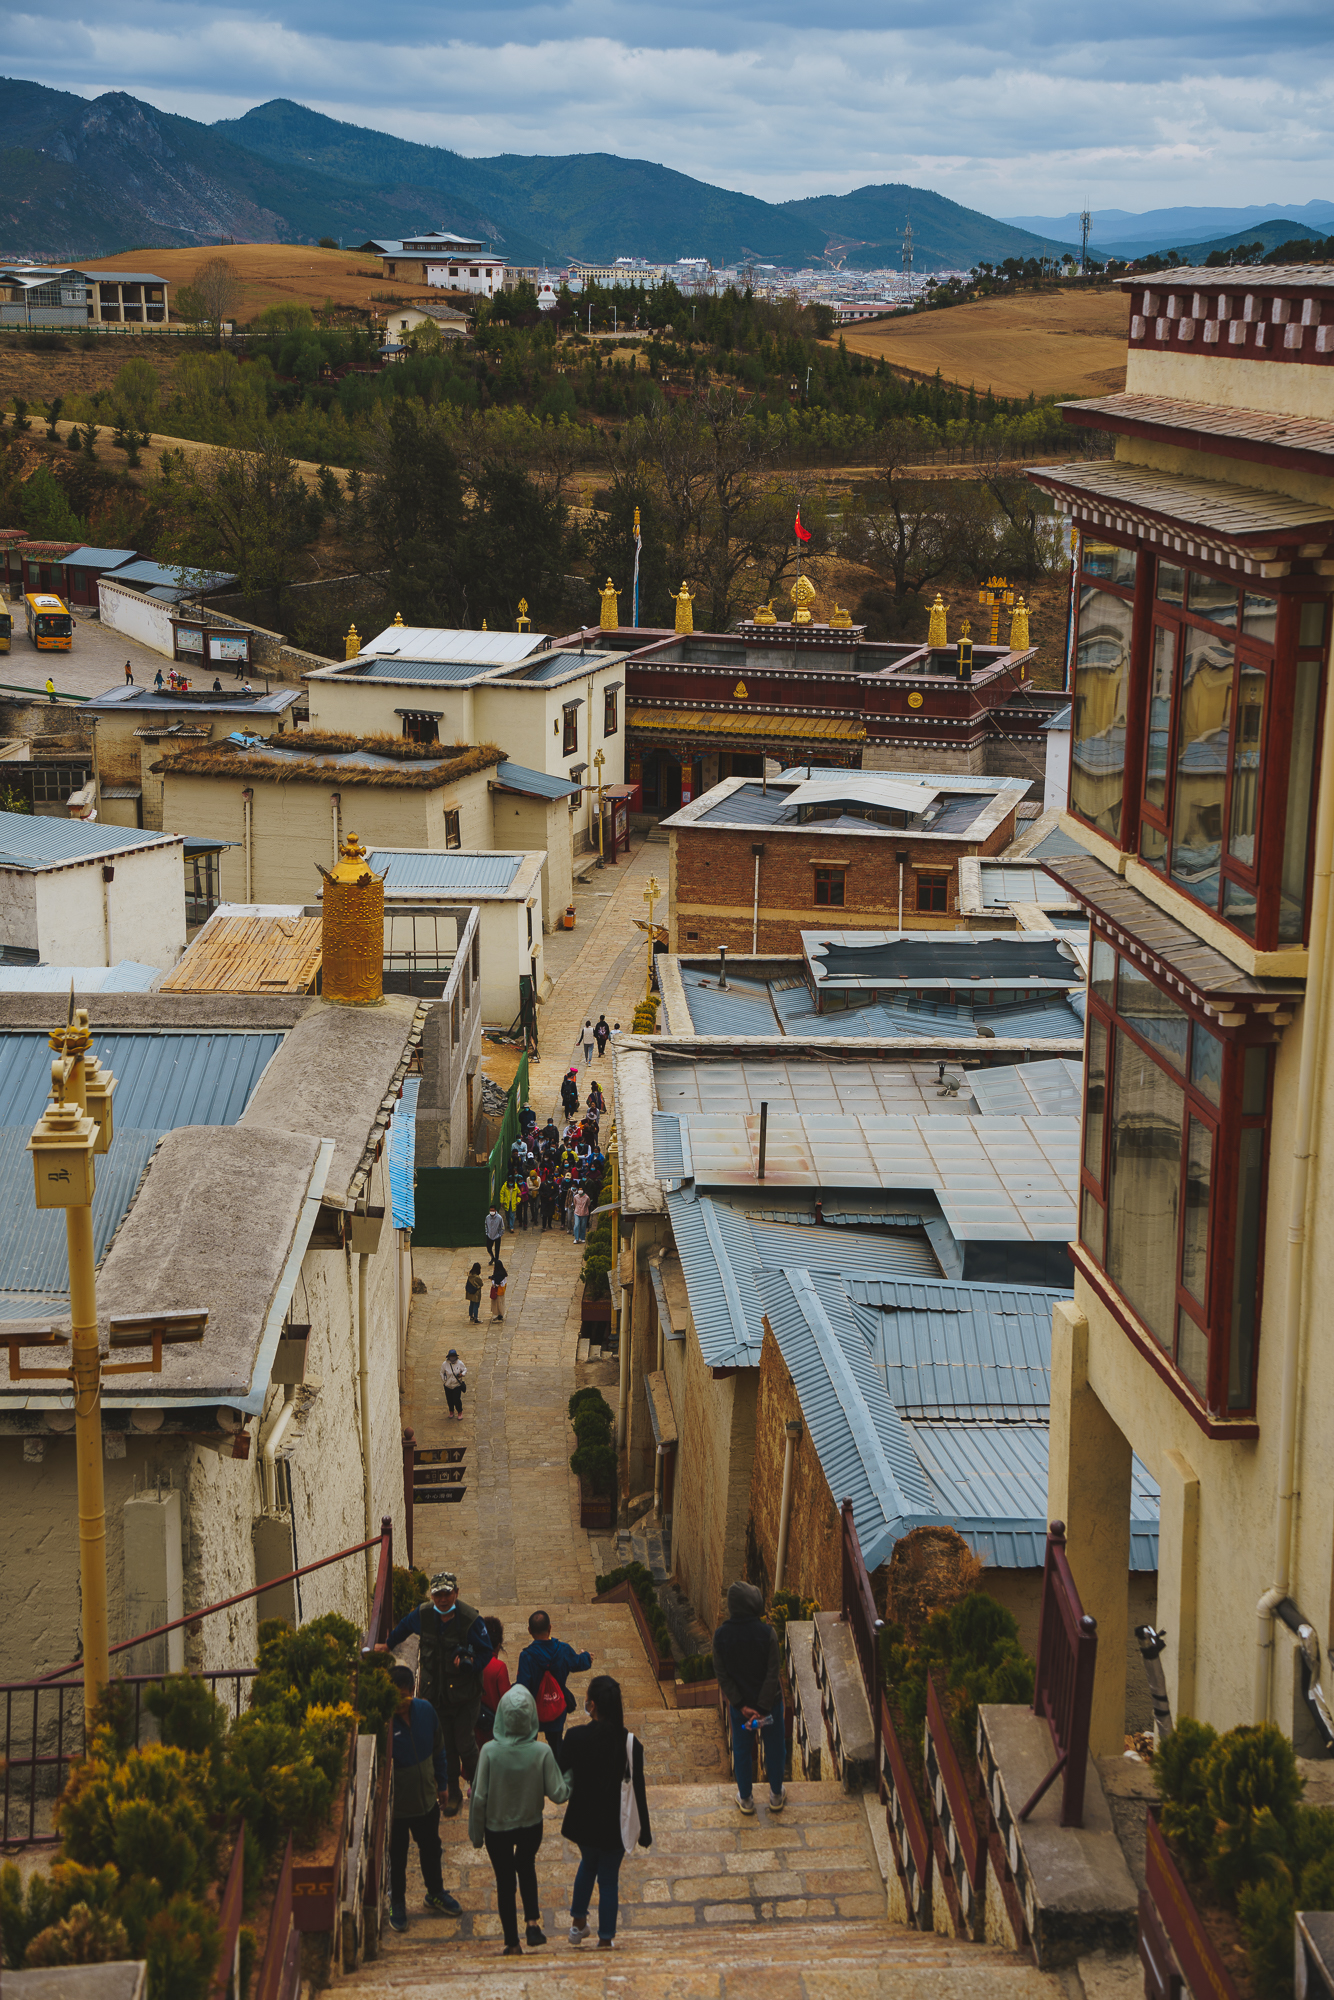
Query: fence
[
  {"x": 1063, "y": 1688},
  {"x": 509, "y": 1128},
  {"x": 859, "y": 1613},
  {"x": 227, "y": 1978},
  {"x": 280, "y": 1972}
]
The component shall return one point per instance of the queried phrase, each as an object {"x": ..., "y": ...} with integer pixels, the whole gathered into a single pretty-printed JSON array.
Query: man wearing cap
[{"x": 455, "y": 1648}]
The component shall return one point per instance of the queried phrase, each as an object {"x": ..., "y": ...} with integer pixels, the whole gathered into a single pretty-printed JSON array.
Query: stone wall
[
  {"x": 814, "y": 1566},
  {"x": 713, "y": 1475}
]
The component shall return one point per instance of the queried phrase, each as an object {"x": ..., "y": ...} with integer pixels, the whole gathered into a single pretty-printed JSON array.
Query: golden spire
[
  {"x": 610, "y": 619},
  {"x": 1019, "y": 640},
  {"x": 352, "y": 643},
  {"x": 683, "y": 599}
]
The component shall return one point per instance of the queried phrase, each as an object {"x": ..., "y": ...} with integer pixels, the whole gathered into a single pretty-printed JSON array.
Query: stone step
[{"x": 871, "y": 1958}]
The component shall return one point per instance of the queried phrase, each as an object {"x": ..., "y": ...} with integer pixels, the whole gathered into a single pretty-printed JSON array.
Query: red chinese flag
[{"x": 802, "y": 534}]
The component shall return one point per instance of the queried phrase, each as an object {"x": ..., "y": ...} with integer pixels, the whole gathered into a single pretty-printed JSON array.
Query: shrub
[
  {"x": 1252, "y": 1789},
  {"x": 786, "y": 1604},
  {"x": 410, "y": 1586},
  {"x": 189, "y": 1716},
  {"x": 641, "y": 1582},
  {"x": 594, "y": 1461},
  {"x": 84, "y": 1937},
  {"x": 974, "y": 1650},
  {"x": 697, "y": 1667},
  {"x": 1179, "y": 1765},
  {"x": 583, "y": 1397}
]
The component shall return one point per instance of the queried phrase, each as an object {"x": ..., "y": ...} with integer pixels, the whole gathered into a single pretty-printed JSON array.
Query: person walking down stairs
[
  {"x": 515, "y": 1773},
  {"x": 608, "y": 1811},
  {"x": 747, "y": 1662},
  {"x": 421, "y": 1780},
  {"x": 455, "y": 1652},
  {"x": 550, "y": 1660}
]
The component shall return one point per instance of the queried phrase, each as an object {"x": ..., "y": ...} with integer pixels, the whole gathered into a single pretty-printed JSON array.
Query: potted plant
[
  {"x": 632, "y": 1584},
  {"x": 596, "y": 1274},
  {"x": 594, "y": 1459},
  {"x": 696, "y": 1683}
]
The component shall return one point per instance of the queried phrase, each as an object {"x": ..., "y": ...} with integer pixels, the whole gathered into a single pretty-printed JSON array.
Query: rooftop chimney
[{"x": 722, "y": 965}]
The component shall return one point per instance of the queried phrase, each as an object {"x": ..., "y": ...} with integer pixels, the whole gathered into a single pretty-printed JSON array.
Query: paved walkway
[{"x": 515, "y": 1539}]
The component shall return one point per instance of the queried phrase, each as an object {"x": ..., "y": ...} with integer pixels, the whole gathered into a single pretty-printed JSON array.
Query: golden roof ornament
[
  {"x": 352, "y": 643},
  {"x": 1019, "y": 639},
  {"x": 523, "y": 621},
  {"x": 398, "y": 618},
  {"x": 841, "y": 620},
  {"x": 936, "y": 630},
  {"x": 765, "y": 615},
  {"x": 683, "y": 599},
  {"x": 610, "y": 619},
  {"x": 803, "y": 595}
]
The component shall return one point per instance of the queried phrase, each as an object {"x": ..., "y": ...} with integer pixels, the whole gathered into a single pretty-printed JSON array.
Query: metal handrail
[
  {"x": 1063, "y": 1684},
  {"x": 382, "y": 1599},
  {"x": 227, "y": 1978}
]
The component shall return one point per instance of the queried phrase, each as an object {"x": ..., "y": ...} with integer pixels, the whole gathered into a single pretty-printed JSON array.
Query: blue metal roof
[
  {"x": 454, "y": 870},
  {"x": 440, "y": 673},
  {"x": 98, "y": 558},
  {"x": 181, "y": 577},
  {"x": 540, "y": 784},
  {"x": 1061, "y": 719},
  {"x": 555, "y": 666},
  {"x": 126, "y": 977},
  {"x": 29, "y": 840},
  {"x": 740, "y": 1008},
  {"x": 1053, "y": 845},
  {"x": 164, "y": 1079},
  {"x": 403, "y": 1155},
  {"x": 1053, "y": 1088},
  {"x": 1039, "y": 1019},
  {"x": 954, "y": 1350}
]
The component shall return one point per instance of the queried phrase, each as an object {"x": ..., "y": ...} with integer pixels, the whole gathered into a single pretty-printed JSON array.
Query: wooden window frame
[
  {"x": 610, "y": 712},
  {"x": 570, "y": 731},
  {"x": 1226, "y": 1120},
  {"x": 829, "y": 879},
  {"x": 933, "y": 880},
  {"x": 453, "y": 833}
]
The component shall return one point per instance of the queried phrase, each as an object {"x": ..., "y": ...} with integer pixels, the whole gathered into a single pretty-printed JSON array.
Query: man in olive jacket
[
  {"x": 455, "y": 1647},
  {"x": 747, "y": 1662}
]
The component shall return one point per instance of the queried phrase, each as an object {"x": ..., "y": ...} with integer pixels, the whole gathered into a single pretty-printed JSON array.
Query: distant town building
[
  {"x": 403, "y": 320},
  {"x": 444, "y": 261},
  {"x": 42, "y": 295}
]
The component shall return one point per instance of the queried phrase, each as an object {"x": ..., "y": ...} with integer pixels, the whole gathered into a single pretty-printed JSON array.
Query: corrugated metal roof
[
  {"x": 1052, "y": 1019},
  {"x": 403, "y": 1155},
  {"x": 1054, "y": 1088},
  {"x": 126, "y": 977},
  {"x": 740, "y": 1008},
  {"x": 181, "y": 578},
  {"x": 456, "y": 869},
  {"x": 30, "y": 840},
  {"x": 555, "y": 666},
  {"x": 437, "y": 643},
  {"x": 1006, "y": 882},
  {"x": 952, "y": 1350},
  {"x": 991, "y": 1480},
  {"x": 900, "y": 1253},
  {"x": 1053, "y": 844},
  {"x": 86, "y": 558},
  {"x": 538, "y": 784},
  {"x": 424, "y": 673},
  {"x": 668, "y": 1158},
  {"x": 163, "y": 1080}
]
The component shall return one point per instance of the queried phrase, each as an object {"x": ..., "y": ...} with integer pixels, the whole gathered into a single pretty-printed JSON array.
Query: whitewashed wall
[
  {"x": 140, "y": 913},
  {"x": 138, "y": 617}
]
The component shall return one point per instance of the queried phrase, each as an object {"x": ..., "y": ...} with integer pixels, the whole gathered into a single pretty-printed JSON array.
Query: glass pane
[
  {"x": 1160, "y": 715},
  {"x": 1206, "y": 1063},
  {"x": 1246, "y": 763},
  {"x": 1192, "y": 1352},
  {"x": 1204, "y": 714},
  {"x": 1095, "y": 1095},
  {"x": 1171, "y": 584},
  {"x": 1239, "y": 906},
  {"x": 1213, "y": 597},
  {"x": 1259, "y": 617},
  {"x": 1145, "y": 1186},
  {"x": 1102, "y": 970},
  {"x": 1153, "y": 1014},
  {"x": 1301, "y": 771},
  {"x": 1153, "y": 847},
  {"x": 1102, "y": 667},
  {"x": 1254, "y": 1078},
  {"x": 1116, "y": 565},
  {"x": 1245, "y": 1266},
  {"x": 1092, "y": 1226},
  {"x": 1311, "y": 625},
  {"x": 1195, "y": 1224}
]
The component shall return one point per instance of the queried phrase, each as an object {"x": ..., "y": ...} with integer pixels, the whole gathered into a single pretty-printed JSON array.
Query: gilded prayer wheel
[{"x": 353, "y": 930}]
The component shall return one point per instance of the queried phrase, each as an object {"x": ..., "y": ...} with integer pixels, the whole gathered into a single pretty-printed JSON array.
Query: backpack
[
  {"x": 550, "y": 1700},
  {"x": 630, "y": 1827}
]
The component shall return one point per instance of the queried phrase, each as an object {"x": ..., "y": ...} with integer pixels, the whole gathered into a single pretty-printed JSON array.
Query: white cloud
[{"x": 748, "y": 99}]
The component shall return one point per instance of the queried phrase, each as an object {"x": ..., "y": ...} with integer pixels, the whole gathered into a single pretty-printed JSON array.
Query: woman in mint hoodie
[{"x": 515, "y": 1773}]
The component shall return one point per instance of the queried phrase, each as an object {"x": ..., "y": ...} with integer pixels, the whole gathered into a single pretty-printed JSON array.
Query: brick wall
[
  {"x": 712, "y": 883},
  {"x": 814, "y": 1566}
]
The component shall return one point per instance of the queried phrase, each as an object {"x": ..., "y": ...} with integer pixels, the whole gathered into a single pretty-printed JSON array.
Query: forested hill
[{"x": 83, "y": 178}]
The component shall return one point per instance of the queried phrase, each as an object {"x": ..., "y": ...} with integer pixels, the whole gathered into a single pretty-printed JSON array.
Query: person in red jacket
[{"x": 495, "y": 1681}]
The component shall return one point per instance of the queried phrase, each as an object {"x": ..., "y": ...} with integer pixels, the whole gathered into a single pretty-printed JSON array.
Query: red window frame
[
  {"x": 1226, "y": 1120},
  {"x": 830, "y": 888},
  {"x": 933, "y": 895}
]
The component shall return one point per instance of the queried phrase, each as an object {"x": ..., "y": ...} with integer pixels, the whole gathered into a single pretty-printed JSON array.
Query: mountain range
[
  {"x": 84, "y": 178},
  {"x": 1115, "y": 232}
]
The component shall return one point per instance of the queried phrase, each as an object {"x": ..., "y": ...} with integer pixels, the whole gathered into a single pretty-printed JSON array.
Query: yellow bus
[
  {"x": 6, "y": 628},
  {"x": 50, "y": 621}
]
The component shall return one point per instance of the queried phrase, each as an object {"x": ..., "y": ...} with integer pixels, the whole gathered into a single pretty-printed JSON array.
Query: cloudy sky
[{"x": 1037, "y": 107}]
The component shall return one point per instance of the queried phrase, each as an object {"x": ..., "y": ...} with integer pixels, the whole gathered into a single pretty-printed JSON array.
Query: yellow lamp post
[
  {"x": 599, "y": 759},
  {"x": 75, "y": 1126},
  {"x": 651, "y": 895}
]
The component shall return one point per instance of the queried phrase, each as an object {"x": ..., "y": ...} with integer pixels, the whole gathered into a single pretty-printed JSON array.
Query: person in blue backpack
[{"x": 547, "y": 1655}]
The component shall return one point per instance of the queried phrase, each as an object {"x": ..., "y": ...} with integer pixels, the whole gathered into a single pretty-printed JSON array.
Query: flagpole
[{"x": 638, "y": 539}]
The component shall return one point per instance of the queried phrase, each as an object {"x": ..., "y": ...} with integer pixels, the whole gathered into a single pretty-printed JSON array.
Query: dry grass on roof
[{"x": 299, "y": 755}]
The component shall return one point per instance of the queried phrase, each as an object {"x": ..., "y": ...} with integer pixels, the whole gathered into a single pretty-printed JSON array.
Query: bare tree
[
  {"x": 212, "y": 296},
  {"x": 914, "y": 531}
]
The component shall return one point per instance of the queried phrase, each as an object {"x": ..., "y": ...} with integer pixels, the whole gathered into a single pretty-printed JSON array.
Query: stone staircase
[{"x": 721, "y": 1907}]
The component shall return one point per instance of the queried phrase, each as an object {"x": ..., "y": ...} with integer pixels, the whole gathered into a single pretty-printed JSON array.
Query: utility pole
[
  {"x": 651, "y": 895},
  {"x": 599, "y": 759},
  {"x": 76, "y": 1125},
  {"x": 1085, "y": 224}
]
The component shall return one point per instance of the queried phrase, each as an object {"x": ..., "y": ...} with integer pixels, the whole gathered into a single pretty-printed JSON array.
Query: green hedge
[
  {"x": 594, "y": 1461},
  {"x": 641, "y": 1582}
]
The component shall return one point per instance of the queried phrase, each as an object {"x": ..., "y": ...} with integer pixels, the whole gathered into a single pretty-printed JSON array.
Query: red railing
[
  {"x": 227, "y": 1978},
  {"x": 910, "y": 1838},
  {"x": 40, "y": 1712},
  {"x": 382, "y": 1600},
  {"x": 859, "y": 1613},
  {"x": 280, "y": 1971},
  {"x": 1063, "y": 1689}
]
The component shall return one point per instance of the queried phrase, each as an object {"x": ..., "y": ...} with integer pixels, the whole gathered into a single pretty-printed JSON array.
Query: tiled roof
[
  {"x": 1126, "y": 412},
  {"x": 783, "y": 725},
  {"x": 1203, "y": 513},
  {"x": 1166, "y": 945},
  {"x": 1213, "y": 278}
]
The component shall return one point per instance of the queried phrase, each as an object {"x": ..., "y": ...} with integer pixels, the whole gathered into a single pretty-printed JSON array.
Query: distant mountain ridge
[
  {"x": 1119, "y": 233},
  {"x": 84, "y": 178}
]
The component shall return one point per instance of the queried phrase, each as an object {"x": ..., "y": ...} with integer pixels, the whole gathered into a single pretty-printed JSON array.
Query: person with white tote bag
[{"x": 607, "y": 1817}]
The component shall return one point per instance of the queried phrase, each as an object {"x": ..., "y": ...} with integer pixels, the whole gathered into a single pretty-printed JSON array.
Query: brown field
[
  {"x": 1069, "y": 343},
  {"x": 271, "y": 273}
]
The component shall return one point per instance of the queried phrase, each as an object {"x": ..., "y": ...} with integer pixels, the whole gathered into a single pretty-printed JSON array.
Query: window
[
  {"x": 454, "y": 1021},
  {"x": 1229, "y": 686},
  {"x": 1172, "y": 1175},
  {"x": 52, "y": 784},
  {"x": 570, "y": 735},
  {"x": 609, "y": 713},
  {"x": 201, "y": 887},
  {"x": 829, "y": 888},
  {"x": 453, "y": 838},
  {"x": 933, "y": 893},
  {"x": 421, "y": 728}
]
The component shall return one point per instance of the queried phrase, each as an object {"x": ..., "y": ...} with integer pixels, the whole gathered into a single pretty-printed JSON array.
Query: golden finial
[
  {"x": 936, "y": 630},
  {"x": 1019, "y": 640},
  {"x": 802, "y": 594},
  {"x": 610, "y": 619},
  {"x": 683, "y": 599},
  {"x": 398, "y": 618},
  {"x": 352, "y": 643},
  {"x": 484, "y": 624},
  {"x": 523, "y": 619},
  {"x": 765, "y": 615}
]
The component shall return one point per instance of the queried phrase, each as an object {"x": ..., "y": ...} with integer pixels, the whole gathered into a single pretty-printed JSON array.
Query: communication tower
[
  {"x": 1085, "y": 224},
  {"x": 907, "y": 248}
]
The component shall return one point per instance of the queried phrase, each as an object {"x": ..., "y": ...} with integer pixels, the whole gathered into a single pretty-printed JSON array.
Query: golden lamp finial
[
  {"x": 523, "y": 620},
  {"x": 352, "y": 643},
  {"x": 610, "y": 619}
]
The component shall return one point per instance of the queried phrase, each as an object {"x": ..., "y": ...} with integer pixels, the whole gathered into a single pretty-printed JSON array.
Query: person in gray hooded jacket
[{"x": 747, "y": 1662}]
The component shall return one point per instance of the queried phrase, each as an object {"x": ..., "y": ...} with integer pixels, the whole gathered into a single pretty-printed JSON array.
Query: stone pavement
[{"x": 94, "y": 664}]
